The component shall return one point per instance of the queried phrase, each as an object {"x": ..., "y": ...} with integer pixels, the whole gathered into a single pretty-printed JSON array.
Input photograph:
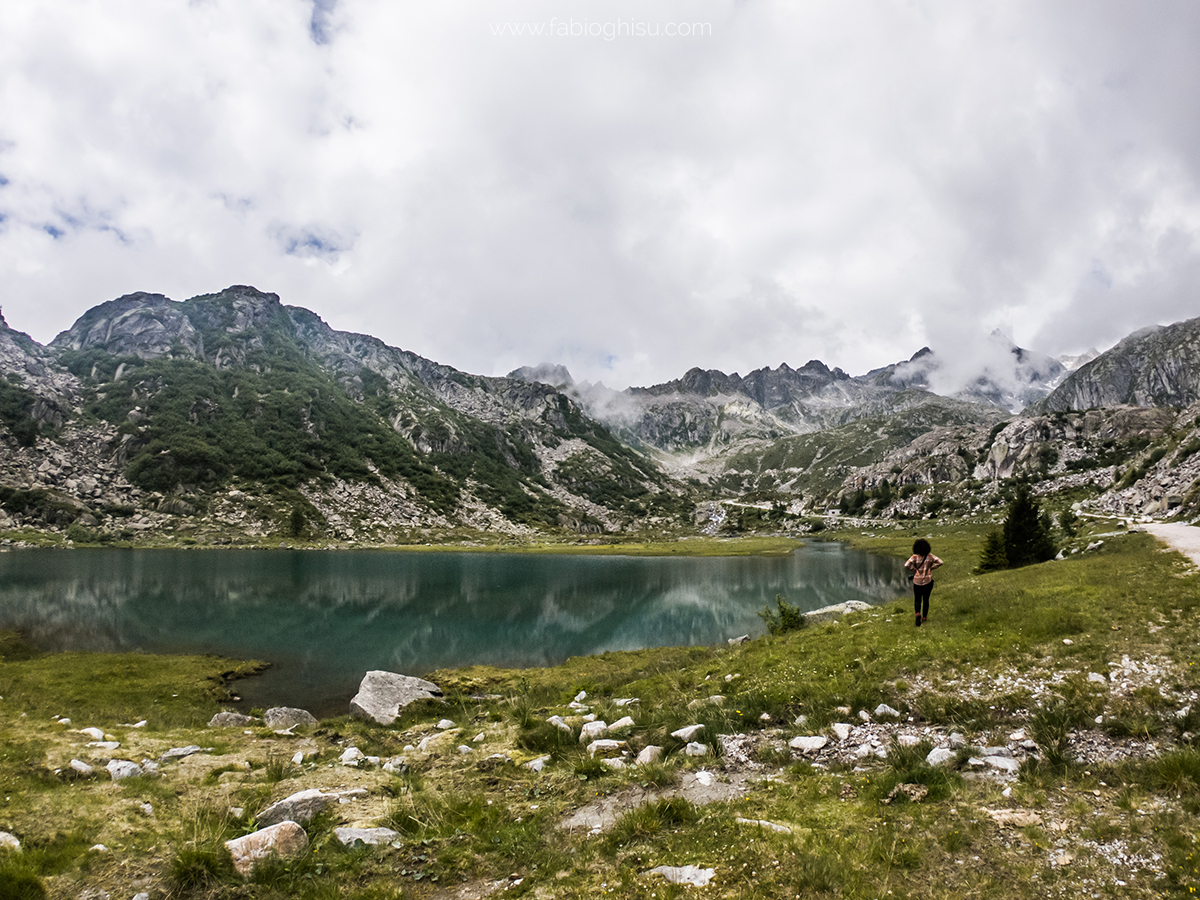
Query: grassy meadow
[{"x": 1005, "y": 651}]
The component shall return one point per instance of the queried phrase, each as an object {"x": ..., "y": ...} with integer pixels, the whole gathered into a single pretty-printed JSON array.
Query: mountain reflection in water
[{"x": 324, "y": 618}]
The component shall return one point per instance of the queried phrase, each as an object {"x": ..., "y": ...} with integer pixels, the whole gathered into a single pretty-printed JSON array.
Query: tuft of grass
[{"x": 646, "y": 822}]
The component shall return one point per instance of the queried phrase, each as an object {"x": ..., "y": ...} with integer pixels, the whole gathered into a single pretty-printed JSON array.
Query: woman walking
[{"x": 921, "y": 564}]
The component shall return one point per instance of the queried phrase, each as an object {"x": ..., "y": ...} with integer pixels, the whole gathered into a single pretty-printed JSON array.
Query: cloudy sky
[{"x": 641, "y": 188}]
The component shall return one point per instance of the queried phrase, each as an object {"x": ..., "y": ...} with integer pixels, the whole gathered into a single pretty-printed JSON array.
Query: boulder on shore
[
  {"x": 381, "y": 695},
  {"x": 284, "y": 717},
  {"x": 227, "y": 719}
]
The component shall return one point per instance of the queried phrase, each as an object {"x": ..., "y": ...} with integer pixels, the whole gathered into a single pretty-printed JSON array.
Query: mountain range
[{"x": 231, "y": 415}]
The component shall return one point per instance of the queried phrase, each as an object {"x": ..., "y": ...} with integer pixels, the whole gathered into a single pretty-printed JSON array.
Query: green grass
[{"x": 463, "y": 822}]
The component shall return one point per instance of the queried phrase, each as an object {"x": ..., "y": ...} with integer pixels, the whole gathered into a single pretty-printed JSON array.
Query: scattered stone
[
  {"x": 580, "y": 697},
  {"x": 230, "y": 719},
  {"x": 104, "y": 745},
  {"x": 79, "y": 767},
  {"x": 445, "y": 725},
  {"x": 351, "y": 756},
  {"x": 1018, "y": 818},
  {"x": 650, "y": 754},
  {"x": 464, "y": 749},
  {"x": 626, "y": 701},
  {"x": 800, "y": 721},
  {"x": 98, "y": 848},
  {"x": 557, "y": 722},
  {"x": 915, "y": 793},
  {"x": 301, "y": 807},
  {"x": 284, "y": 839},
  {"x": 908, "y": 740},
  {"x": 685, "y": 874},
  {"x": 181, "y": 752},
  {"x": 381, "y": 695},
  {"x": 94, "y": 733},
  {"x": 1097, "y": 678},
  {"x": 9, "y": 841},
  {"x": 64, "y": 721},
  {"x": 694, "y": 748},
  {"x": 884, "y": 710},
  {"x": 495, "y": 761},
  {"x": 733, "y": 642},
  {"x": 621, "y": 724},
  {"x": 763, "y": 823},
  {"x": 808, "y": 743},
  {"x": 606, "y": 748},
  {"x": 841, "y": 731},
  {"x": 288, "y": 717},
  {"x": 688, "y": 733},
  {"x": 536, "y": 765},
  {"x": 147, "y": 809},
  {"x": 614, "y": 763},
  {"x": 370, "y": 836},
  {"x": 956, "y": 740},
  {"x": 95, "y": 893},
  {"x": 397, "y": 765},
  {"x": 1002, "y": 763},
  {"x": 479, "y": 737},
  {"x": 940, "y": 756},
  {"x": 591, "y": 731},
  {"x": 1017, "y": 736},
  {"x": 123, "y": 768},
  {"x": 864, "y": 715}
]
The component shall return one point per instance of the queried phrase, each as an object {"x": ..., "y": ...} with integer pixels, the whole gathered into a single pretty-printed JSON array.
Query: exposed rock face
[
  {"x": 285, "y": 839},
  {"x": 1157, "y": 366},
  {"x": 382, "y": 695}
]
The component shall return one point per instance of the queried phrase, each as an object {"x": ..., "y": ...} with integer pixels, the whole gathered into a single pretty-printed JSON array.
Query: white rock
[
  {"x": 397, "y": 765},
  {"x": 696, "y": 749},
  {"x": 298, "y": 758},
  {"x": 285, "y": 839},
  {"x": 445, "y": 725},
  {"x": 688, "y": 733},
  {"x": 381, "y": 695},
  {"x": 123, "y": 768},
  {"x": 606, "y": 748},
  {"x": 800, "y": 721},
  {"x": 64, "y": 721},
  {"x": 97, "y": 848},
  {"x": 464, "y": 749},
  {"x": 763, "y": 823},
  {"x": 1017, "y": 736},
  {"x": 884, "y": 710},
  {"x": 908, "y": 740},
  {"x": 626, "y": 701},
  {"x": 1097, "y": 678},
  {"x": 621, "y": 724},
  {"x": 536, "y": 765},
  {"x": 557, "y": 722},
  {"x": 1002, "y": 763},
  {"x": 298, "y": 807},
  {"x": 614, "y": 763},
  {"x": 841, "y": 731},
  {"x": 808, "y": 743},
  {"x": 94, "y": 733},
  {"x": 82, "y": 768},
  {"x": 104, "y": 745},
  {"x": 9, "y": 841},
  {"x": 285, "y": 718},
  {"x": 650, "y": 754},
  {"x": 864, "y": 715},
  {"x": 479, "y": 737},
  {"x": 370, "y": 836},
  {"x": 591, "y": 731},
  {"x": 351, "y": 756},
  {"x": 940, "y": 756},
  {"x": 685, "y": 874},
  {"x": 580, "y": 697},
  {"x": 956, "y": 740}
]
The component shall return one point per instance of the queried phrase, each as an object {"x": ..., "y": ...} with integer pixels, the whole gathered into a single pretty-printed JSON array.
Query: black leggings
[{"x": 921, "y": 594}]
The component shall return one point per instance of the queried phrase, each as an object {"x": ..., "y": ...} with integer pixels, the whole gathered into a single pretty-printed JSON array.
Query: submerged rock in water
[{"x": 381, "y": 695}]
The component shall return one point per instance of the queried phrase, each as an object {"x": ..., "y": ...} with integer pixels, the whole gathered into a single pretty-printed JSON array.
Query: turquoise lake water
[{"x": 324, "y": 618}]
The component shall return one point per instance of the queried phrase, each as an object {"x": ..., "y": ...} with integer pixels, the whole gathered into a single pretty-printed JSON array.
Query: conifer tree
[
  {"x": 1028, "y": 532},
  {"x": 993, "y": 558}
]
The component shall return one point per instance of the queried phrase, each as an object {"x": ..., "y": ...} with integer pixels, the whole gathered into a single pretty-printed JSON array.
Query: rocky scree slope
[{"x": 247, "y": 413}]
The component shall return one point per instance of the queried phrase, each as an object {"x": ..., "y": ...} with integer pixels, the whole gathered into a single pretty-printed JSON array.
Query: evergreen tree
[
  {"x": 993, "y": 558},
  {"x": 1028, "y": 532}
]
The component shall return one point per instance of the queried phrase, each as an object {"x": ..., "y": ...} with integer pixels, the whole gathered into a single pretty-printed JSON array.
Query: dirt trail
[{"x": 1184, "y": 538}]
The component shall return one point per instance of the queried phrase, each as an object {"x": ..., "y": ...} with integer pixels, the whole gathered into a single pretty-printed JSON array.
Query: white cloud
[{"x": 843, "y": 181}]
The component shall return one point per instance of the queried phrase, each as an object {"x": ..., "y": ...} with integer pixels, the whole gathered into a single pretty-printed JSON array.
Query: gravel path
[{"x": 1184, "y": 538}]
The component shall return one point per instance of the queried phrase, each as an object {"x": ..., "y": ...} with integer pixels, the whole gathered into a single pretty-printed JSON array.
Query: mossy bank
[{"x": 1091, "y": 660}]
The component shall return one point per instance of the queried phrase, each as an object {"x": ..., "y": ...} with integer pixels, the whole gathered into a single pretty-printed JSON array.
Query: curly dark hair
[{"x": 921, "y": 547}]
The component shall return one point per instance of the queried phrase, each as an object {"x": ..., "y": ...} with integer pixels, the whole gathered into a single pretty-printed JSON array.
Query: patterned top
[{"x": 922, "y": 567}]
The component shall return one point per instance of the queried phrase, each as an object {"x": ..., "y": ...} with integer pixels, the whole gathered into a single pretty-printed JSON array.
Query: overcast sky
[{"x": 759, "y": 182}]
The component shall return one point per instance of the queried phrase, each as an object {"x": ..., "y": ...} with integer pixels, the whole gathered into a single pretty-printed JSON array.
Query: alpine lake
[{"x": 324, "y": 618}]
